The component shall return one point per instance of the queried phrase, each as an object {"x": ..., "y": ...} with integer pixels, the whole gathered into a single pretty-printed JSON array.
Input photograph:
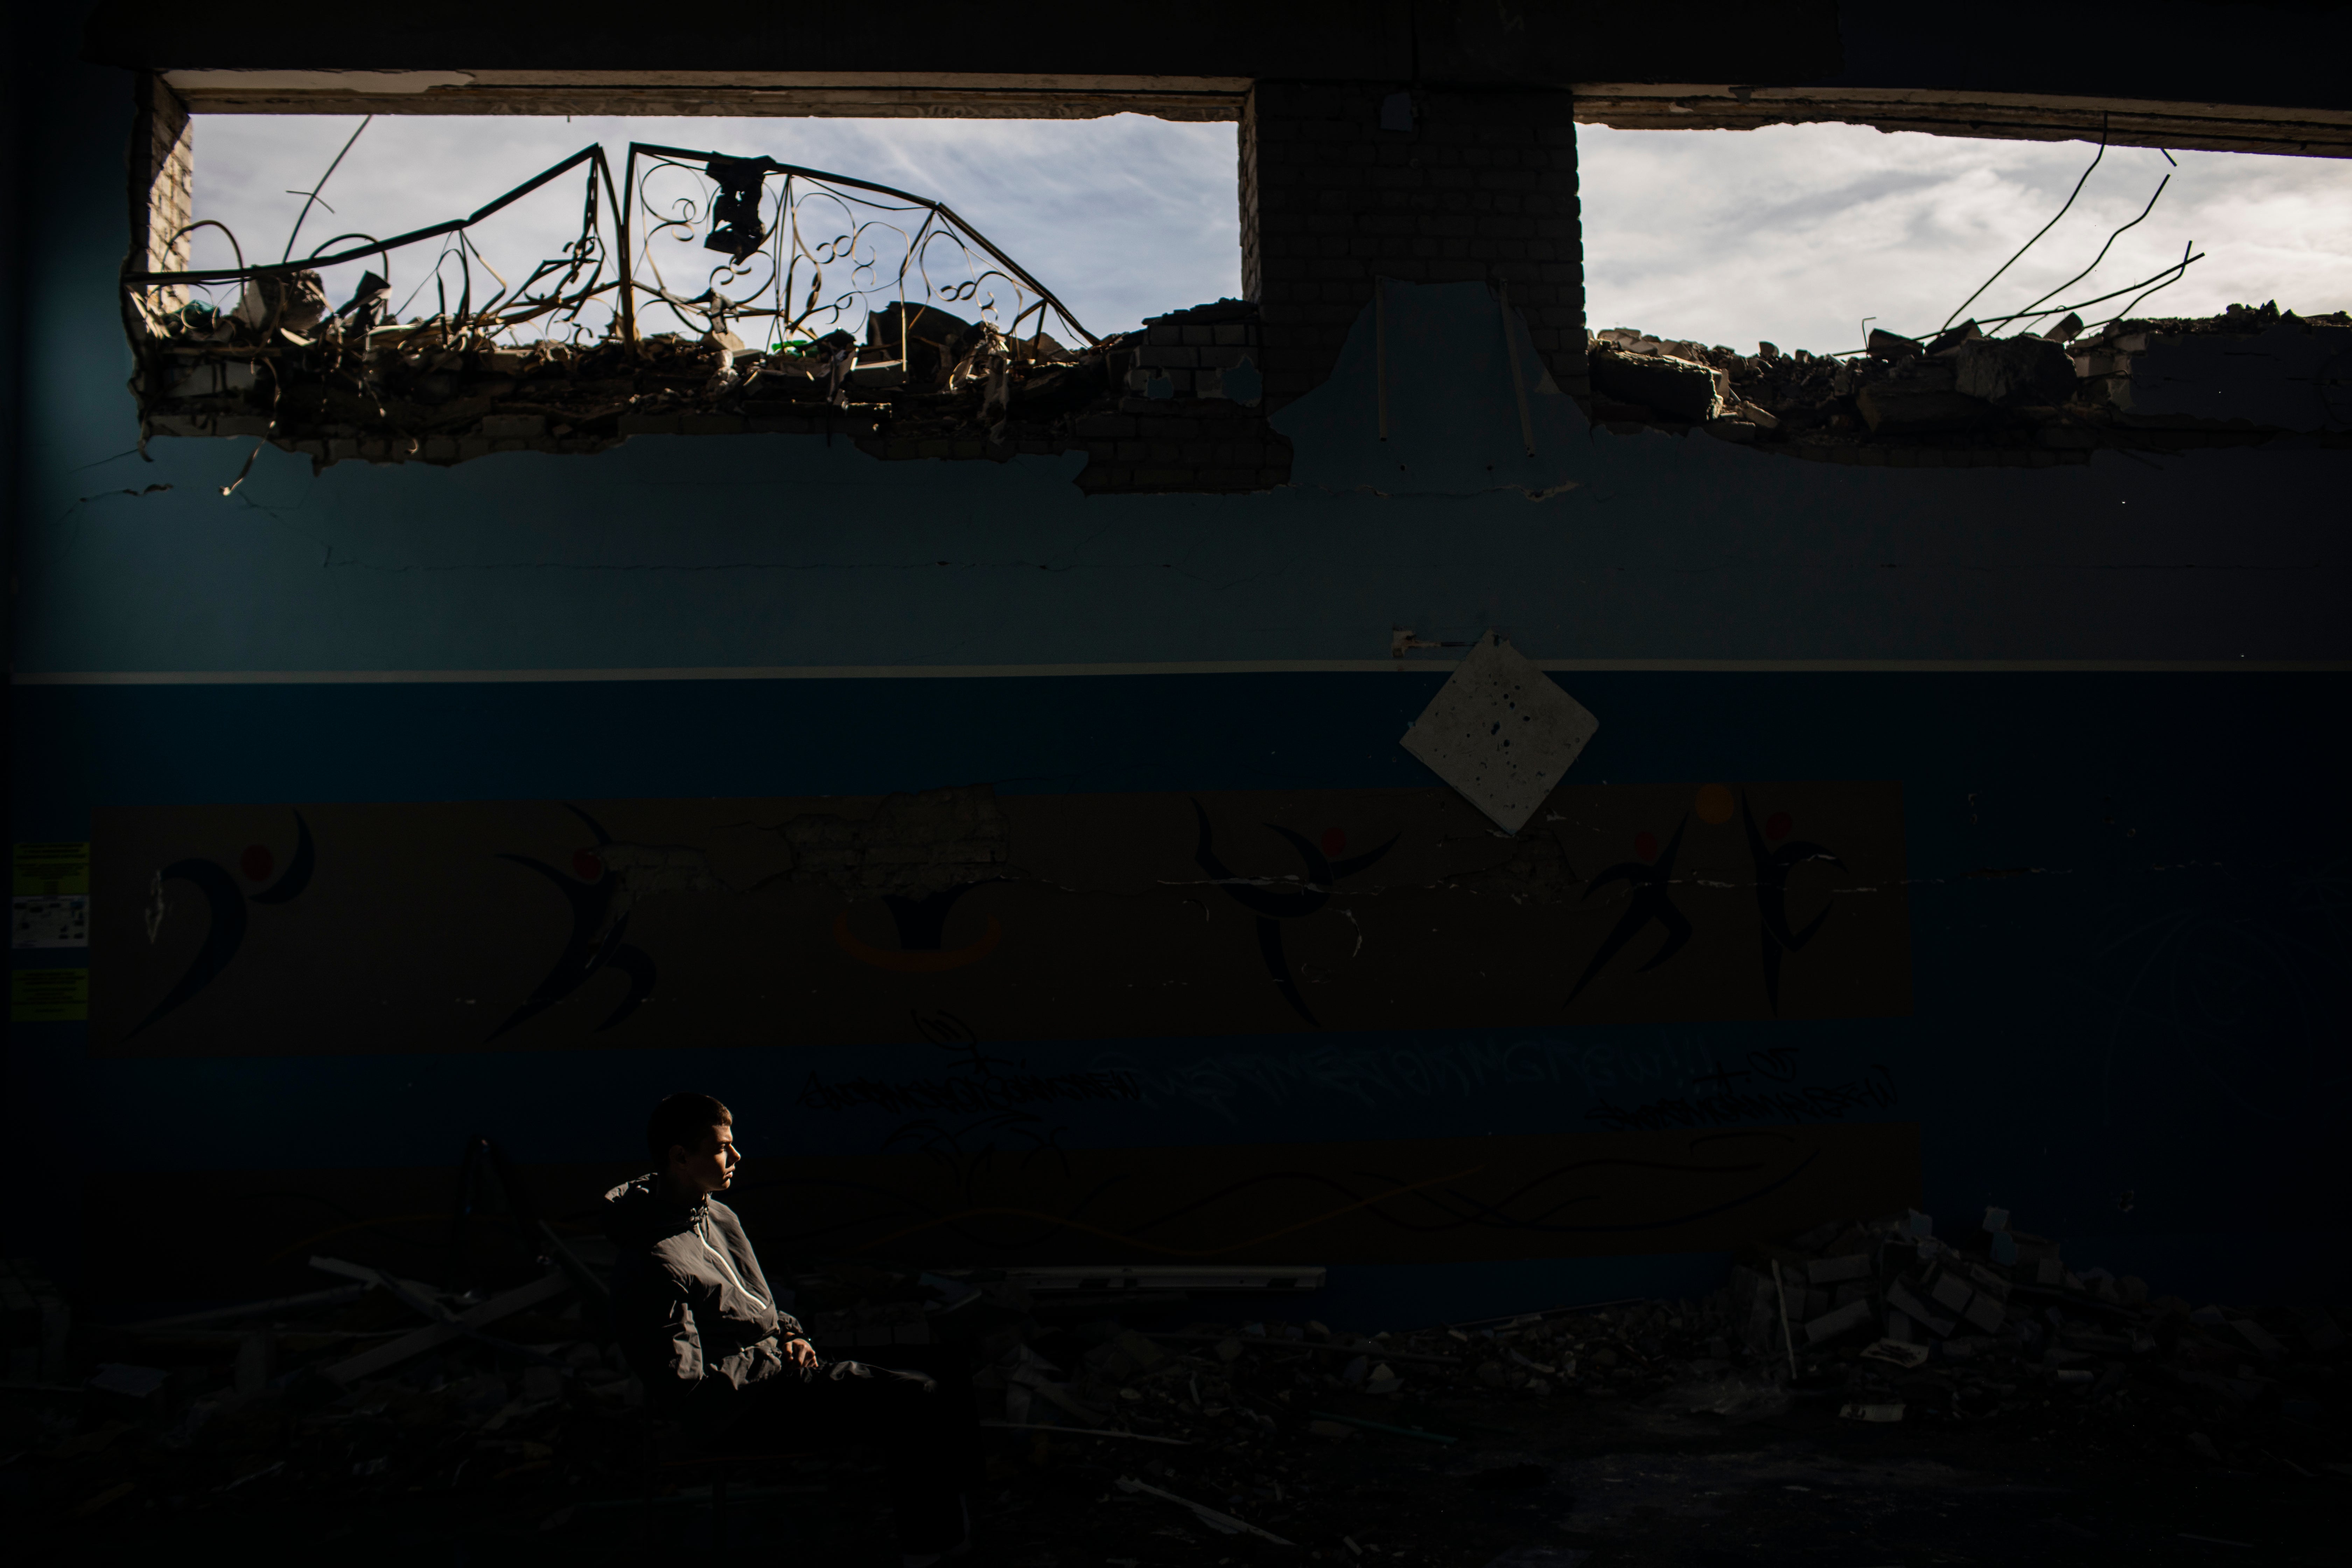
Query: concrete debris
[
  {"x": 1223, "y": 1523},
  {"x": 1901, "y": 1353},
  {"x": 1902, "y": 1331},
  {"x": 1675, "y": 386},
  {"x": 1883, "y": 1412},
  {"x": 1739, "y": 1397},
  {"x": 1924, "y": 404},
  {"x": 289, "y": 301},
  {"x": 2015, "y": 373},
  {"x": 131, "y": 1382},
  {"x": 346, "y": 384},
  {"x": 1832, "y": 1324},
  {"x": 1970, "y": 1335},
  {"x": 448, "y": 1323},
  {"x": 1951, "y": 338},
  {"x": 37, "y": 1323},
  {"x": 2244, "y": 376}
]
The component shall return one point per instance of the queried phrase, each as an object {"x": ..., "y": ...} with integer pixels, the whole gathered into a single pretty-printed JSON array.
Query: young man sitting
[{"x": 700, "y": 1327}]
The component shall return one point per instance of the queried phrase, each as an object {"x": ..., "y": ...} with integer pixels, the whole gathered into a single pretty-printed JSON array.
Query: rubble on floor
[
  {"x": 1994, "y": 1325},
  {"x": 1155, "y": 1430},
  {"x": 1886, "y": 1320},
  {"x": 39, "y": 1323},
  {"x": 2144, "y": 383}
]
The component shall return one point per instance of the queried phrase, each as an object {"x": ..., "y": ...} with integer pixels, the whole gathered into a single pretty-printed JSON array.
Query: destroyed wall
[
  {"x": 2251, "y": 375},
  {"x": 1340, "y": 185},
  {"x": 2093, "y": 687},
  {"x": 1175, "y": 406}
]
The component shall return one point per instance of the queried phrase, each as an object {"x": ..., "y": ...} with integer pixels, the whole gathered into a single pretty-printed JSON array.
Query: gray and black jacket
[{"x": 694, "y": 1314}]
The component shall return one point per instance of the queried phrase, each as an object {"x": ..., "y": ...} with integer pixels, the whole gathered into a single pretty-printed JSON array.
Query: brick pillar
[
  {"x": 1483, "y": 188},
  {"x": 162, "y": 184}
]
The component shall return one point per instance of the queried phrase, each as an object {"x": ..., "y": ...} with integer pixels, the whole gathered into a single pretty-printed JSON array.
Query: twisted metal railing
[
  {"x": 819, "y": 254},
  {"x": 820, "y": 226}
]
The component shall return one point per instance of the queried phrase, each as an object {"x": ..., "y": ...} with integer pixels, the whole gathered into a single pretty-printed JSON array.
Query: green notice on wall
[
  {"x": 48, "y": 995},
  {"x": 50, "y": 871}
]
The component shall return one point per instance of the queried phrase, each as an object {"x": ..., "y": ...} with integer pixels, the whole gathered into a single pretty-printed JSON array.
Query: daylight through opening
[{"x": 445, "y": 285}]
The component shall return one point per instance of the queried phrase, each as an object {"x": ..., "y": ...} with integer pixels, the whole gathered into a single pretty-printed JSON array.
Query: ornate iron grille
[{"x": 802, "y": 254}]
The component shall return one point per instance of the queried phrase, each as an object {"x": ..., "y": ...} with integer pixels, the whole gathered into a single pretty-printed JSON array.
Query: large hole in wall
[
  {"x": 963, "y": 288},
  {"x": 1836, "y": 291}
]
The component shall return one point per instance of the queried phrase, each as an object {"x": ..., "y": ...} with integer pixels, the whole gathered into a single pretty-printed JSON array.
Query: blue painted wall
[{"x": 2154, "y": 1004}]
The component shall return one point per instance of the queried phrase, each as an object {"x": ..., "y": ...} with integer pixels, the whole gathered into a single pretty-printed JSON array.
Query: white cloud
[
  {"x": 1122, "y": 217},
  {"x": 1795, "y": 233}
]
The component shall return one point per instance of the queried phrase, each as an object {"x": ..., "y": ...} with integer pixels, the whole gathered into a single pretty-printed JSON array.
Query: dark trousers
[{"x": 927, "y": 1437}]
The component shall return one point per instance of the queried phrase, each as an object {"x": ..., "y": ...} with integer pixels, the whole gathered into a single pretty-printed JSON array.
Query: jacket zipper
[{"x": 723, "y": 1263}]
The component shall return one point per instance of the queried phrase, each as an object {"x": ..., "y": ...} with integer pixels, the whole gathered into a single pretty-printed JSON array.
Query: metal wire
[
  {"x": 2030, "y": 311},
  {"x": 321, "y": 186},
  {"x": 2176, "y": 268},
  {"x": 2045, "y": 228},
  {"x": 2178, "y": 273}
]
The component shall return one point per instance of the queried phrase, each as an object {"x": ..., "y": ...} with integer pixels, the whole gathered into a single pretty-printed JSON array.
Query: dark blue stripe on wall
[{"x": 2009, "y": 739}]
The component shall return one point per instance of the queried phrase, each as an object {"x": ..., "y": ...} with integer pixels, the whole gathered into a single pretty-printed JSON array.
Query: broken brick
[{"x": 2015, "y": 373}]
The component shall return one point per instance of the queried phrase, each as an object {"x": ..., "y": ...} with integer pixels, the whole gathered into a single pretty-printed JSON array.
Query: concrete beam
[
  {"x": 2127, "y": 123},
  {"x": 915, "y": 95}
]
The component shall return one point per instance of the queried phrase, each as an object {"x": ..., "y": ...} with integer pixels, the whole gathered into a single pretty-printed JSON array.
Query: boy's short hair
[{"x": 683, "y": 1120}]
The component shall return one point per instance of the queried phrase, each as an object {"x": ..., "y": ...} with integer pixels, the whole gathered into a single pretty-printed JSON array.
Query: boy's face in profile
[{"x": 709, "y": 1167}]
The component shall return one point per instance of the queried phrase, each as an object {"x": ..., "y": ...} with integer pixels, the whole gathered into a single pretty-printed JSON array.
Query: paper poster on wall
[
  {"x": 48, "y": 995},
  {"x": 48, "y": 870},
  {"x": 50, "y": 906},
  {"x": 61, "y": 921},
  {"x": 558, "y": 925}
]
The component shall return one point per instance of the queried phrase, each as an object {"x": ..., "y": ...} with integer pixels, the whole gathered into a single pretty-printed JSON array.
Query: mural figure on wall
[
  {"x": 1038, "y": 917},
  {"x": 225, "y": 900},
  {"x": 600, "y": 919},
  {"x": 1273, "y": 908},
  {"x": 922, "y": 935},
  {"x": 1773, "y": 868},
  {"x": 1652, "y": 875}
]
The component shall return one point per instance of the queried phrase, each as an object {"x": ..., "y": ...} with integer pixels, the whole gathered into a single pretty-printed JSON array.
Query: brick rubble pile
[
  {"x": 1960, "y": 398},
  {"x": 1175, "y": 405}
]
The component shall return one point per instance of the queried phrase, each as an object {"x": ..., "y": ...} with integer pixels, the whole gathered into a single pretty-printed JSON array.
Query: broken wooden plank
[{"x": 459, "y": 1326}]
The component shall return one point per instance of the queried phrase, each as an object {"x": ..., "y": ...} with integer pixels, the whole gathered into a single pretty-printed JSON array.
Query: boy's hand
[{"x": 800, "y": 1352}]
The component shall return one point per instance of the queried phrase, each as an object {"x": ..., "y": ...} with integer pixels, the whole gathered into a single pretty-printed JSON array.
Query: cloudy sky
[{"x": 1792, "y": 234}]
